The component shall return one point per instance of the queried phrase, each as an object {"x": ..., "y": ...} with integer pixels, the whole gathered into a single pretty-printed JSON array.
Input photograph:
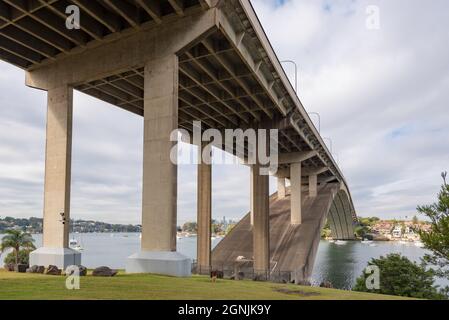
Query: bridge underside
[
  {"x": 175, "y": 62},
  {"x": 292, "y": 247}
]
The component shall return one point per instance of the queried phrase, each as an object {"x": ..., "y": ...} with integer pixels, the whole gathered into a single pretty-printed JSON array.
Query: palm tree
[{"x": 16, "y": 240}]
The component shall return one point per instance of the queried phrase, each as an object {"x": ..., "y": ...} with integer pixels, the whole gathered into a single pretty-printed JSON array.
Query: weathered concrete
[
  {"x": 159, "y": 199},
  {"x": 204, "y": 214},
  {"x": 57, "y": 180},
  {"x": 260, "y": 206},
  {"x": 292, "y": 247},
  {"x": 281, "y": 188},
  {"x": 60, "y": 257},
  {"x": 167, "y": 263},
  {"x": 313, "y": 185},
  {"x": 296, "y": 193}
]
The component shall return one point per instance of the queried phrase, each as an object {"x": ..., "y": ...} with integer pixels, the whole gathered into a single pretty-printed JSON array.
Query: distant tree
[
  {"x": 415, "y": 220},
  {"x": 437, "y": 239},
  {"x": 401, "y": 277},
  {"x": 16, "y": 240},
  {"x": 190, "y": 227}
]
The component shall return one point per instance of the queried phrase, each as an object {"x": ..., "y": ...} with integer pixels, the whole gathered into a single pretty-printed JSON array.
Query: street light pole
[
  {"x": 296, "y": 72},
  {"x": 330, "y": 143},
  {"x": 319, "y": 120}
]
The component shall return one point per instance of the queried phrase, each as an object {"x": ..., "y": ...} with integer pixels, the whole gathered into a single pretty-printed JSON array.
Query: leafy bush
[
  {"x": 401, "y": 277},
  {"x": 24, "y": 257}
]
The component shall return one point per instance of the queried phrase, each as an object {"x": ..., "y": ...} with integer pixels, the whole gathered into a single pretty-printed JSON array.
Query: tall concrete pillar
[
  {"x": 261, "y": 234},
  {"x": 281, "y": 188},
  {"x": 204, "y": 215},
  {"x": 58, "y": 157},
  {"x": 313, "y": 185},
  {"x": 295, "y": 205},
  {"x": 159, "y": 200}
]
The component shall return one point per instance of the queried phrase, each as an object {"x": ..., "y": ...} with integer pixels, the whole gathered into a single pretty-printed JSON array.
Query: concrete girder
[
  {"x": 237, "y": 41},
  {"x": 117, "y": 57}
]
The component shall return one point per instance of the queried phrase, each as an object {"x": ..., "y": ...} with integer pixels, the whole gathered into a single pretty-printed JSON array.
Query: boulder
[
  {"x": 83, "y": 271},
  {"x": 22, "y": 268},
  {"x": 104, "y": 272},
  {"x": 40, "y": 269},
  {"x": 53, "y": 270},
  {"x": 32, "y": 269}
]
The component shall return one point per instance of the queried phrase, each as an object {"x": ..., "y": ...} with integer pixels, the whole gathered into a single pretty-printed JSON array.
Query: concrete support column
[
  {"x": 58, "y": 157},
  {"x": 204, "y": 215},
  {"x": 313, "y": 185},
  {"x": 260, "y": 209},
  {"x": 281, "y": 188},
  {"x": 159, "y": 200},
  {"x": 295, "y": 180}
]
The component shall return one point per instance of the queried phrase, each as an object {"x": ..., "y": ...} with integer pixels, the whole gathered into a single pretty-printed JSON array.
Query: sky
[{"x": 376, "y": 71}]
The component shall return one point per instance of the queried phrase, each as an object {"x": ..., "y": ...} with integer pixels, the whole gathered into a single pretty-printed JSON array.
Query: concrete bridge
[{"x": 174, "y": 62}]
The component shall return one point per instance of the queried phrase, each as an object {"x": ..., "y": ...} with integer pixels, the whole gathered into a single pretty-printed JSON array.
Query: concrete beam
[
  {"x": 260, "y": 210},
  {"x": 204, "y": 214},
  {"x": 296, "y": 201},
  {"x": 296, "y": 157},
  {"x": 313, "y": 185},
  {"x": 281, "y": 188},
  {"x": 159, "y": 200},
  {"x": 58, "y": 161},
  {"x": 120, "y": 56},
  {"x": 236, "y": 39}
]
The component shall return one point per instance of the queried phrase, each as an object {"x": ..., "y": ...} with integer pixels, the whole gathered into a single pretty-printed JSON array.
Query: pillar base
[
  {"x": 159, "y": 262},
  {"x": 60, "y": 257}
]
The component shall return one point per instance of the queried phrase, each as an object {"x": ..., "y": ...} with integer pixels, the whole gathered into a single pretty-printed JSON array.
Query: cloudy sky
[{"x": 383, "y": 96}]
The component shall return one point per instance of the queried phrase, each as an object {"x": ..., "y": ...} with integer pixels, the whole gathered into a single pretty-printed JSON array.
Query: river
[{"x": 339, "y": 264}]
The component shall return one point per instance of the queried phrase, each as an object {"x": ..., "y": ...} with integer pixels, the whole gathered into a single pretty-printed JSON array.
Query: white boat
[
  {"x": 331, "y": 241},
  {"x": 373, "y": 245},
  {"x": 73, "y": 243},
  {"x": 340, "y": 242},
  {"x": 366, "y": 241},
  {"x": 419, "y": 244}
]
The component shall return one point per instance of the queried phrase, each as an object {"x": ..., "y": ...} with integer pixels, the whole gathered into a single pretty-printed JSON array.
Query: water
[{"x": 339, "y": 264}]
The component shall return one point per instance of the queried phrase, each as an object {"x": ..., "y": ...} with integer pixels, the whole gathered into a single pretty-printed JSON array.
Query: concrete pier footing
[
  {"x": 60, "y": 257},
  {"x": 170, "y": 263}
]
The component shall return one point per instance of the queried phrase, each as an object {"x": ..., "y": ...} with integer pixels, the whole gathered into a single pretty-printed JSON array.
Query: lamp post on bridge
[
  {"x": 296, "y": 72},
  {"x": 319, "y": 120},
  {"x": 330, "y": 143}
]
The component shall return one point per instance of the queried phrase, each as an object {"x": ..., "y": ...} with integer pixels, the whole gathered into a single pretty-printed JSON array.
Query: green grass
[{"x": 125, "y": 286}]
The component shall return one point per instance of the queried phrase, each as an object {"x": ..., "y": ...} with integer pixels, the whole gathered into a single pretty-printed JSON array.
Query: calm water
[{"x": 339, "y": 264}]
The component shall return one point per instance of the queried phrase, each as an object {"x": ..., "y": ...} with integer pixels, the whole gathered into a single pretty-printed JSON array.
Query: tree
[
  {"x": 24, "y": 257},
  {"x": 401, "y": 277},
  {"x": 16, "y": 240},
  {"x": 437, "y": 239},
  {"x": 415, "y": 220},
  {"x": 190, "y": 227}
]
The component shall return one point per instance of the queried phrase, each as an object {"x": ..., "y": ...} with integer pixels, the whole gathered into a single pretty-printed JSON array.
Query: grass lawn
[{"x": 124, "y": 286}]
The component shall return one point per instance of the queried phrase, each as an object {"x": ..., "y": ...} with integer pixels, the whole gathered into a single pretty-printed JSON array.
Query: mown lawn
[{"x": 139, "y": 287}]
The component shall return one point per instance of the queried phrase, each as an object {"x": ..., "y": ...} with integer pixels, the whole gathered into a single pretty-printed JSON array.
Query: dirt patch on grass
[{"x": 296, "y": 292}]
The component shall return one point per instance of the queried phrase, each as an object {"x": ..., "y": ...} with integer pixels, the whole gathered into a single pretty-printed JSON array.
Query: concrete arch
[{"x": 341, "y": 215}]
